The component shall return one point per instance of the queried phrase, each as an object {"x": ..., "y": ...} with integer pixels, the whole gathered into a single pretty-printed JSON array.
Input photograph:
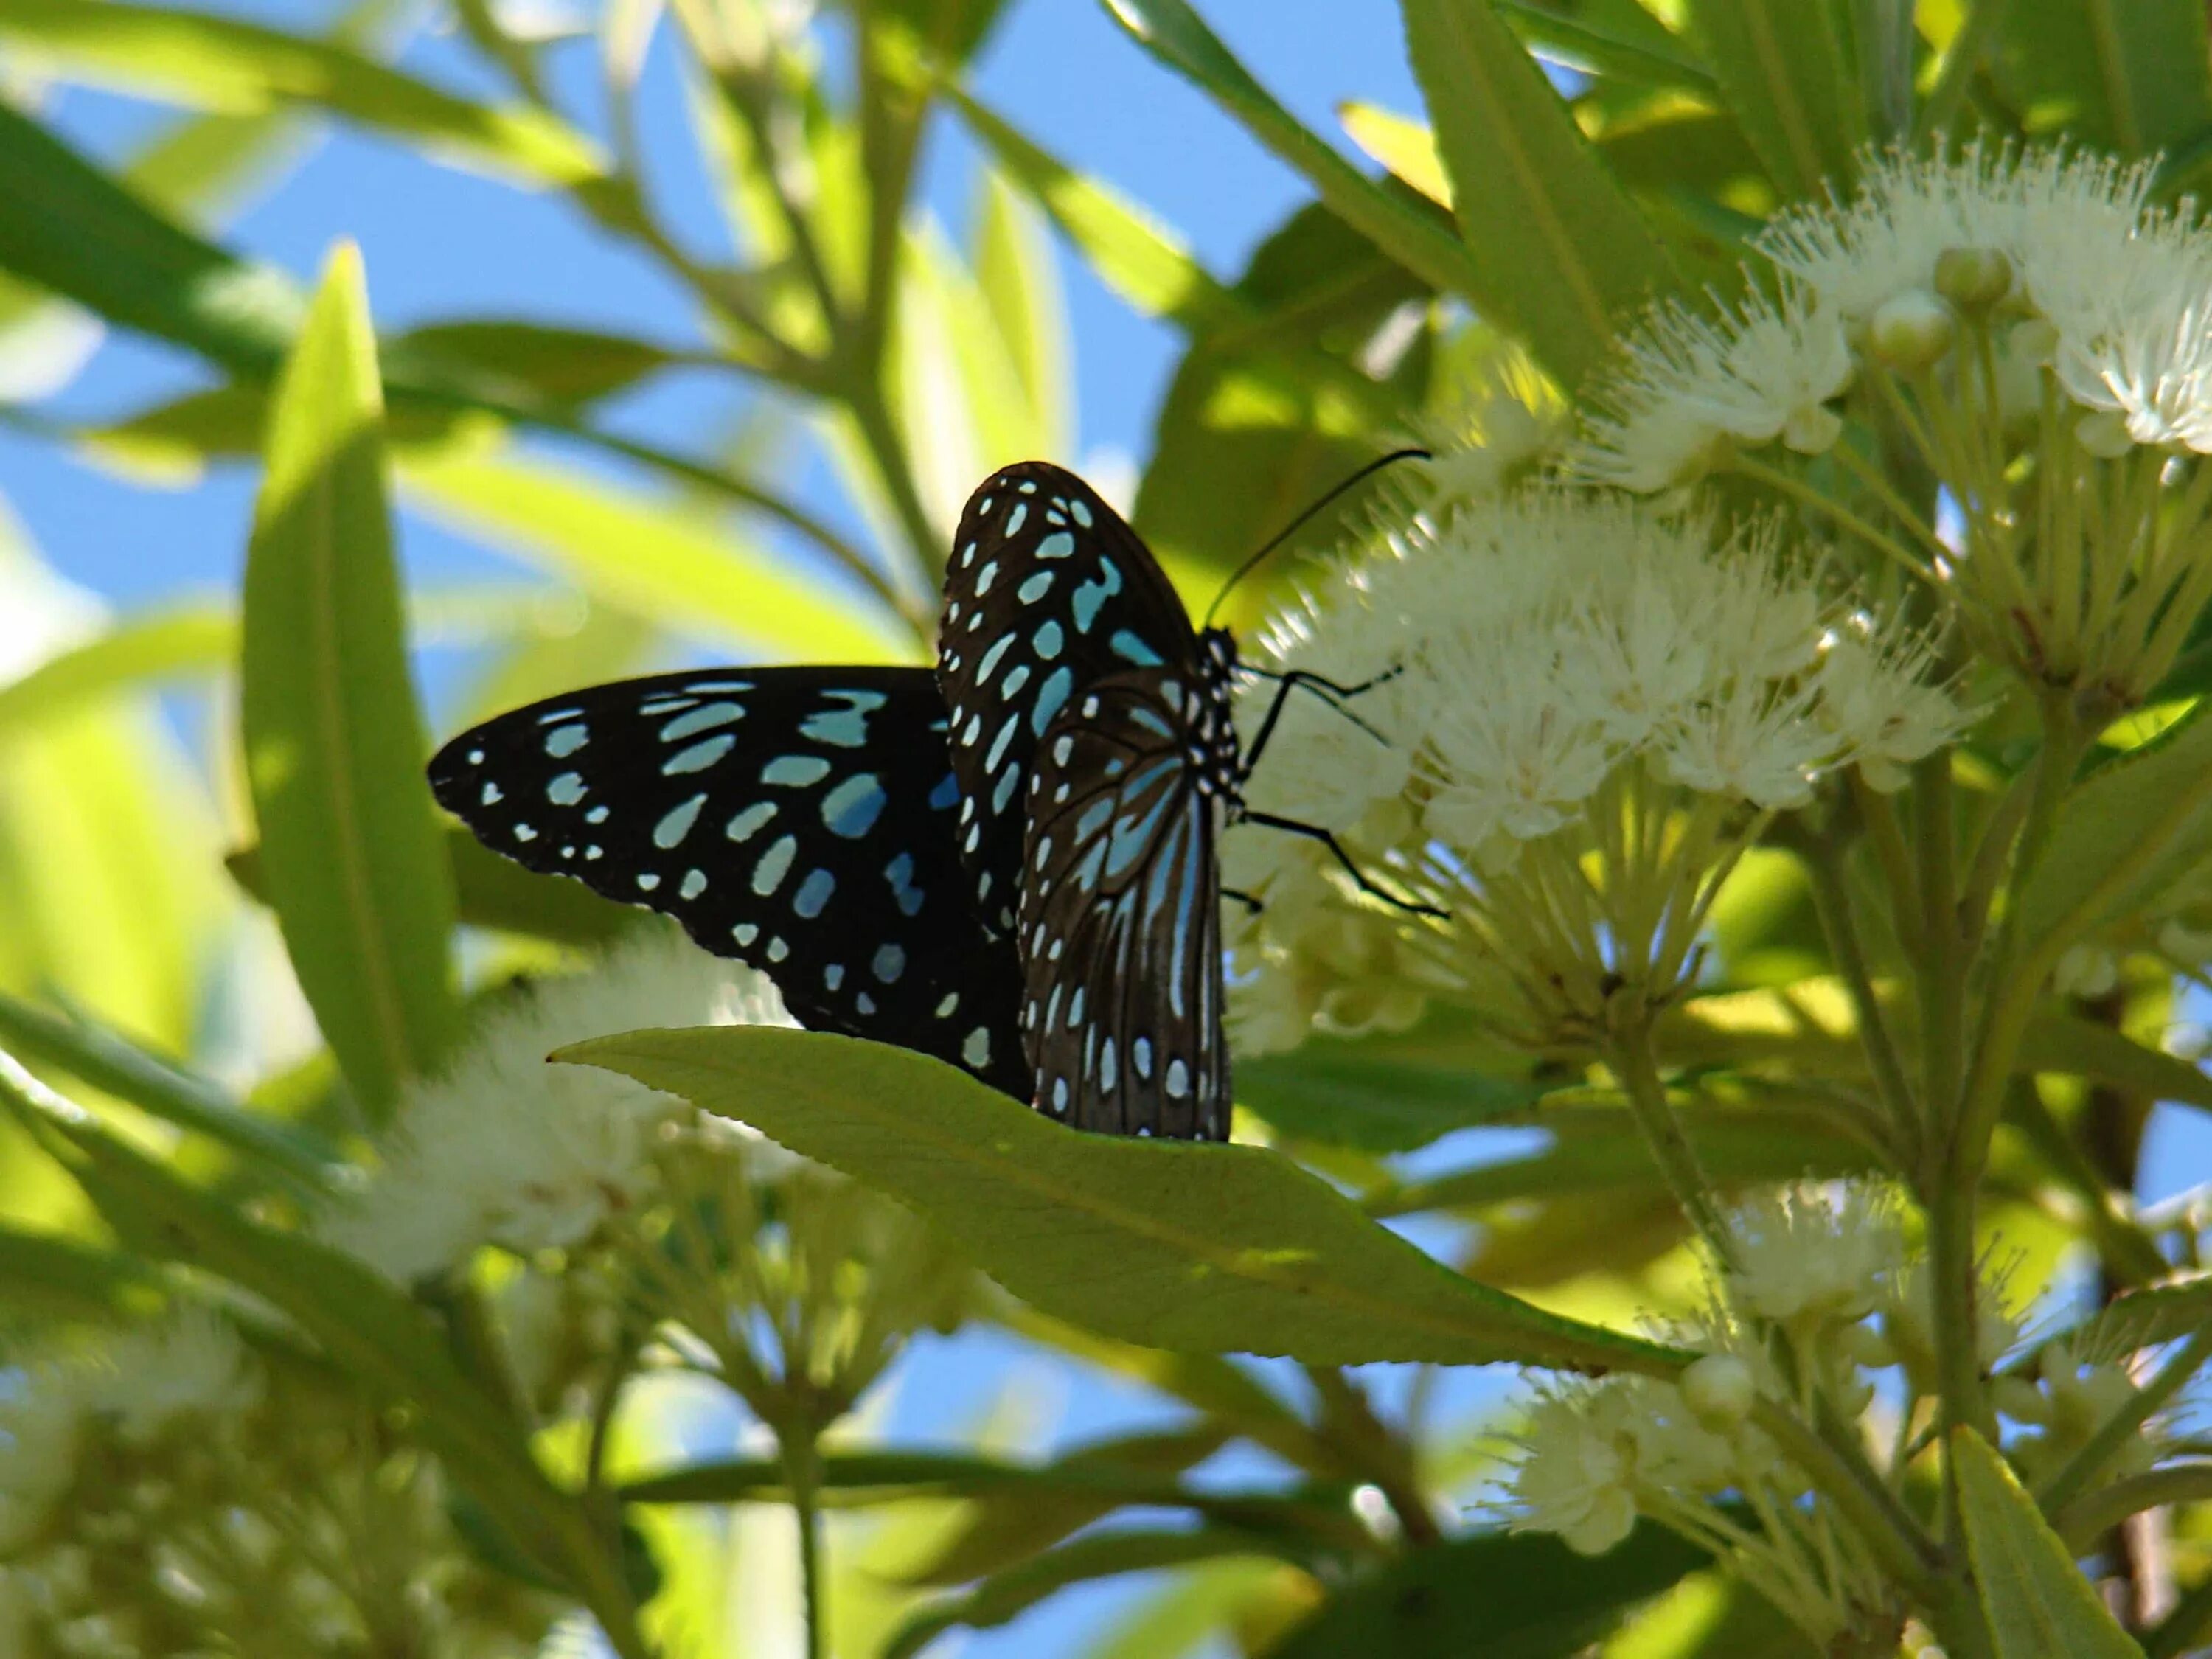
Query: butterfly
[{"x": 1008, "y": 864}]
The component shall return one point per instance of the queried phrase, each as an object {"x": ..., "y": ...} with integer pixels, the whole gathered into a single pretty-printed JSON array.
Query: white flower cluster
[
  {"x": 2061, "y": 247},
  {"x": 1531, "y": 663},
  {"x": 189, "y": 1369},
  {"x": 505, "y": 1149}
]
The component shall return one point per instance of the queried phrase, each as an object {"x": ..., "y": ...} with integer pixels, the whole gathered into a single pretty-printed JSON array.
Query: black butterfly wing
[
  {"x": 797, "y": 819},
  {"x": 1121, "y": 924},
  {"x": 1048, "y": 592}
]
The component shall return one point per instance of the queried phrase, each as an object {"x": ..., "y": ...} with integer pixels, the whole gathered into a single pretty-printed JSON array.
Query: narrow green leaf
[
  {"x": 68, "y": 226},
  {"x": 1789, "y": 84},
  {"x": 1019, "y": 289},
  {"x": 1557, "y": 251},
  {"x": 2147, "y": 1319},
  {"x": 1614, "y": 38},
  {"x": 1287, "y": 400},
  {"x": 1174, "y": 33},
  {"x": 2037, "y": 1601},
  {"x": 2124, "y": 835},
  {"x": 1493, "y": 1595},
  {"x": 2059, "y": 1041},
  {"x": 221, "y": 64},
  {"x": 526, "y": 362},
  {"x": 1010, "y": 1526},
  {"x": 498, "y": 893},
  {"x": 106, "y": 1062},
  {"x": 1365, "y": 1093},
  {"x": 1405, "y": 147},
  {"x": 46, "y": 1276},
  {"x": 2131, "y": 75},
  {"x": 1215, "y": 1249},
  {"x": 151, "y": 645},
  {"x": 649, "y": 555},
  {"x": 1134, "y": 254},
  {"x": 333, "y": 741},
  {"x": 1004, "y": 1598}
]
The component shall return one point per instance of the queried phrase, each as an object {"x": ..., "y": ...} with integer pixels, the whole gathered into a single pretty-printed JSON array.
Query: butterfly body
[{"x": 1010, "y": 865}]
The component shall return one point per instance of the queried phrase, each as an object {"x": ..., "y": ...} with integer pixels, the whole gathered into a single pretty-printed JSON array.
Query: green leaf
[
  {"x": 646, "y": 554},
  {"x": 1493, "y": 1595},
  {"x": 1557, "y": 251},
  {"x": 1405, "y": 148},
  {"x": 2147, "y": 1319},
  {"x": 50, "y": 1277},
  {"x": 1134, "y": 254},
  {"x": 1615, "y": 38},
  {"x": 1790, "y": 84},
  {"x": 2131, "y": 75},
  {"x": 498, "y": 893},
  {"x": 1001, "y": 1600},
  {"x": 1020, "y": 289},
  {"x": 2057, "y": 1040},
  {"x": 151, "y": 645},
  {"x": 113, "y": 1065},
  {"x": 2037, "y": 1601},
  {"x": 1215, "y": 1249},
  {"x": 2124, "y": 835},
  {"x": 1012, "y": 1525},
  {"x": 1734, "y": 1149},
  {"x": 68, "y": 226},
  {"x": 334, "y": 743},
  {"x": 220, "y": 63},
  {"x": 1418, "y": 240},
  {"x": 1274, "y": 400},
  {"x": 1377, "y": 1094},
  {"x": 526, "y": 362}
]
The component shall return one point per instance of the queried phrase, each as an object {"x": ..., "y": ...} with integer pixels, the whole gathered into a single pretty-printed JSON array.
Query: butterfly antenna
[{"x": 1292, "y": 527}]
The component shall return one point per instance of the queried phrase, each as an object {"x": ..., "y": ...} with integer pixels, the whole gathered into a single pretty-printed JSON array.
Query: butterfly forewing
[
  {"x": 797, "y": 819},
  {"x": 1120, "y": 918},
  {"x": 1048, "y": 592}
]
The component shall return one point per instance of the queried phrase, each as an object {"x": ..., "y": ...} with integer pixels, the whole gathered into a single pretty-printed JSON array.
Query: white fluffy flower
[
  {"x": 1767, "y": 371},
  {"x": 1819, "y": 1255},
  {"x": 505, "y": 1149},
  {"x": 1576, "y": 1474},
  {"x": 2124, "y": 292},
  {"x": 190, "y": 1366}
]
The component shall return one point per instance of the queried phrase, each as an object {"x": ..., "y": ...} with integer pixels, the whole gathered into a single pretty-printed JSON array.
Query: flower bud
[
  {"x": 2103, "y": 435},
  {"x": 1973, "y": 278},
  {"x": 1912, "y": 331},
  {"x": 1720, "y": 1391}
]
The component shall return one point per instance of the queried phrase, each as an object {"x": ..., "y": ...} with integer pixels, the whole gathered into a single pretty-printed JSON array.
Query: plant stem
[
  {"x": 1823, "y": 863},
  {"x": 801, "y": 1446},
  {"x": 1906, "y": 1552},
  {"x": 879, "y": 432},
  {"x": 1630, "y": 1054}
]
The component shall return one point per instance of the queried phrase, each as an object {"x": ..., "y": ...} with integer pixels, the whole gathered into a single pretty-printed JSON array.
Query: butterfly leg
[
  {"x": 1328, "y": 689},
  {"x": 1314, "y": 832},
  {"x": 1252, "y": 906}
]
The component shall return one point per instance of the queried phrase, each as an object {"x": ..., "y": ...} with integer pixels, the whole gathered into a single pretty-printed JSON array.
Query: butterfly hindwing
[
  {"x": 800, "y": 820},
  {"x": 1047, "y": 593},
  {"x": 1120, "y": 922}
]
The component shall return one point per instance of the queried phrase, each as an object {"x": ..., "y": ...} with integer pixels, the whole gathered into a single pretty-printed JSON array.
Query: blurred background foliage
[{"x": 762, "y": 462}]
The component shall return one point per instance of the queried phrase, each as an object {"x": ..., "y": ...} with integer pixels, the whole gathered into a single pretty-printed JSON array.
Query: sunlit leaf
[
  {"x": 649, "y": 555},
  {"x": 1216, "y": 1248},
  {"x": 355, "y": 867},
  {"x": 1405, "y": 147},
  {"x": 221, "y": 64},
  {"x": 1174, "y": 33},
  {"x": 1790, "y": 81},
  {"x": 1019, "y": 287},
  {"x": 2037, "y": 1602},
  {"x": 153, "y": 646},
  {"x": 1557, "y": 251}
]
